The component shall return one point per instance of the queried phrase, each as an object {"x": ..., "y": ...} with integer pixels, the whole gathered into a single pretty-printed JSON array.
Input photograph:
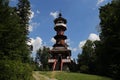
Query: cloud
[
  {"x": 30, "y": 28},
  {"x": 31, "y": 15},
  {"x": 93, "y": 37},
  {"x": 99, "y": 2},
  {"x": 53, "y": 40},
  {"x": 36, "y": 43},
  {"x": 38, "y": 12},
  {"x": 68, "y": 41},
  {"x": 81, "y": 44},
  {"x": 33, "y": 24},
  {"x": 54, "y": 14},
  {"x": 74, "y": 49}
]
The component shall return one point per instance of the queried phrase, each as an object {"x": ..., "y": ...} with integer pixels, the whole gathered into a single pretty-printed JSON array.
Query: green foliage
[
  {"x": 110, "y": 39},
  {"x": 8, "y": 35},
  {"x": 14, "y": 70},
  {"x": 14, "y": 52},
  {"x": 84, "y": 69},
  {"x": 73, "y": 66},
  {"x": 12, "y": 37},
  {"x": 23, "y": 11},
  {"x": 87, "y": 59},
  {"x": 42, "y": 56}
]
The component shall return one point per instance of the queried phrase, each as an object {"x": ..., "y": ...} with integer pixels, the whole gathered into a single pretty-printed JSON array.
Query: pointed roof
[{"x": 60, "y": 18}]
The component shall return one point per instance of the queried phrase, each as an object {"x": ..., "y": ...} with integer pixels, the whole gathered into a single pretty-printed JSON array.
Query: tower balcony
[
  {"x": 60, "y": 37},
  {"x": 66, "y": 60},
  {"x": 51, "y": 60},
  {"x": 60, "y": 27},
  {"x": 60, "y": 24}
]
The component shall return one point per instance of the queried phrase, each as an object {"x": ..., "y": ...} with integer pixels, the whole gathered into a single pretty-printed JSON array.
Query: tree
[
  {"x": 23, "y": 12},
  {"x": 13, "y": 48},
  {"x": 42, "y": 56},
  {"x": 87, "y": 58},
  {"x": 9, "y": 32},
  {"x": 110, "y": 39}
]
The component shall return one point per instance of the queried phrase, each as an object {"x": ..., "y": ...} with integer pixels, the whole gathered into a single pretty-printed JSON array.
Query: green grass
[{"x": 72, "y": 76}]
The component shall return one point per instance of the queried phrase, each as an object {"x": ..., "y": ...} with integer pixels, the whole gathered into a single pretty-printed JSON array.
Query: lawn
[{"x": 60, "y": 75}]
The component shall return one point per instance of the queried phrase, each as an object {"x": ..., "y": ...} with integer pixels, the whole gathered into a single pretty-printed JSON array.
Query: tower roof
[{"x": 60, "y": 18}]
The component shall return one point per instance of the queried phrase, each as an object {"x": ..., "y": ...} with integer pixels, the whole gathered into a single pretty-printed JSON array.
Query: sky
[{"x": 82, "y": 22}]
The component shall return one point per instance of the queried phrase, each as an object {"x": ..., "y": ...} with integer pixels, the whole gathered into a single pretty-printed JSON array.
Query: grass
[
  {"x": 37, "y": 76},
  {"x": 60, "y": 75}
]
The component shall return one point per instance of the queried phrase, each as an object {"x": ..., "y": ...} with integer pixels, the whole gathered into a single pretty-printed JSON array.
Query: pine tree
[
  {"x": 10, "y": 32},
  {"x": 14, "y": 54},
  {"x": 24, "y": 13},
  {"x": 12, "y": 35}
]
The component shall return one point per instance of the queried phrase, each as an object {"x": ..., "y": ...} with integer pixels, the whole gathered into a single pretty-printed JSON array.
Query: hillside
[{"x": 58, "y": 75}]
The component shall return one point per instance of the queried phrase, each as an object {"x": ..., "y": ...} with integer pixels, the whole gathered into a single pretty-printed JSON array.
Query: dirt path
[{"x": 38, "y": 76}]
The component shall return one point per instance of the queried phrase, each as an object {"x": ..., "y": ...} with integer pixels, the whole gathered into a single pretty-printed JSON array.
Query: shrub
[{"x": 14, "y": 70}]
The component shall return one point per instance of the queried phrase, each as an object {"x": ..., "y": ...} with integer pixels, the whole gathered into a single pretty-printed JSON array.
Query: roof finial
[{"x": 60, "y": 14}]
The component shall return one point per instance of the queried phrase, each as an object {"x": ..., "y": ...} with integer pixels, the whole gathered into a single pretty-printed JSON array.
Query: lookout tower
[{"x": 60, "y": 55}]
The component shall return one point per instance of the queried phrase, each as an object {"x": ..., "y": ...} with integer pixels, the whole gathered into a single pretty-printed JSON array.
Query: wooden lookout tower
[{"x": 60, "y": 55}]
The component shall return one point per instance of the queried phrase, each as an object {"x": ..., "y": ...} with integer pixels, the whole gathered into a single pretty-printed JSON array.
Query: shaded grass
[{"x": 60, "y": 75}]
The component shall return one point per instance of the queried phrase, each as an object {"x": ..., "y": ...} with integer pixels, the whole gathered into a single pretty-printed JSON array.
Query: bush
[{"x": 14, "y": 70}]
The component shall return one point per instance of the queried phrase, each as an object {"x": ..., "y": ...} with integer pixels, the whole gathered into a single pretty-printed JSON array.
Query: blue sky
[{"x": 82, "y": 17}]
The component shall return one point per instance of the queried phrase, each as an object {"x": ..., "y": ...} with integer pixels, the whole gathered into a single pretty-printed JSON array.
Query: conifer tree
[
  {"x": 14, "y": 52},
  {"x": 9, "y": 32},
  {"x": 24, "y": 14}
]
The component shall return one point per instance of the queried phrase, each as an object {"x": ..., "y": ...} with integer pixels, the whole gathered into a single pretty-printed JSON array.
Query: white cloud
[
  {"x": 30, "y": 28},
  {"x": 74, "y": 49},
  {"x": 93, "y": 37},
  {"x": 33, "y": 24},
  {"x": 36, "y": 43},
  {"x": 68, "y": 41},
  {"x": 38, "y": 12},
  {"x": 99, "y": 2},
  {"x": 31, "y": 15},
  {"x": 81, "y": 44},
  {"x": 53, "y": 40},
  {"x": 54, "y": 14}
]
